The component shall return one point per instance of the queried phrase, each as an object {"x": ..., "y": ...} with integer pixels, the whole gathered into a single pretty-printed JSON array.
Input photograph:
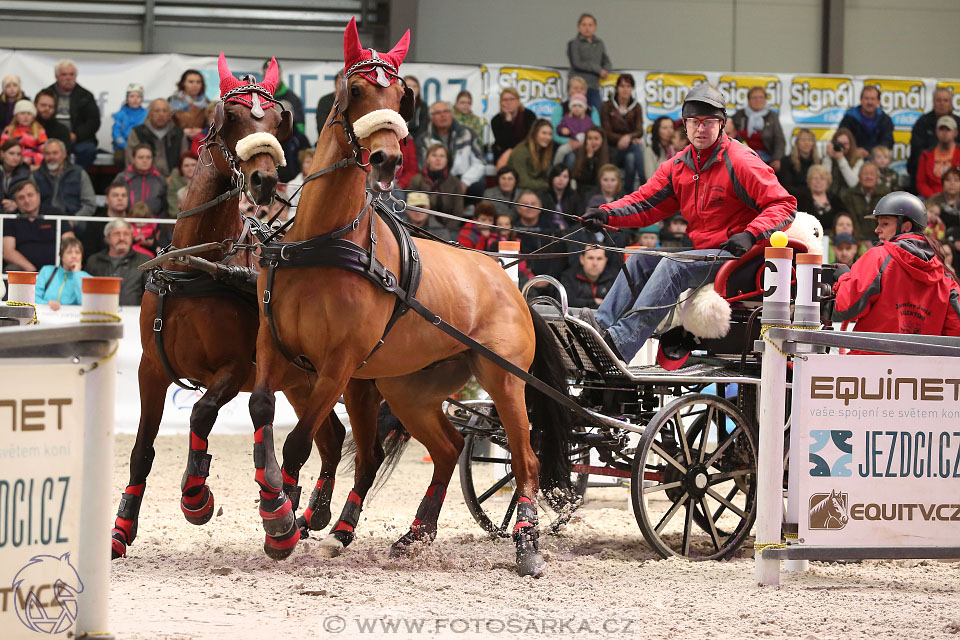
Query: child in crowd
[
  {"x": 573, "y": 125},
  {"x": 144, "y": 233},
  {"x": 649, "y": 237},
  {"x": 26, "y": 128},
  {"x": 936, "y": 228},
  {"x": 474, "y": 236},
  {"x": 889, "y": 179},
  {"x": 130, "y": 115},
  {"x": 680, "y": 140}
]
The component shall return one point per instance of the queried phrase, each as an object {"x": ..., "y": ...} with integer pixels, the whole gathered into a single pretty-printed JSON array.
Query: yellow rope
[
  {"x": 769, "y": 545},
  {"x": 764, "y": 328},
  {"x": 26, "y": 304},
  {"x": 107, "y": 316},
  {"x": 791, "y": 536}
]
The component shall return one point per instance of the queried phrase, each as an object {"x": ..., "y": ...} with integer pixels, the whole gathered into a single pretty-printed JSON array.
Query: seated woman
[
  {"x": 463, "y": 113},
  {"x": 12, "y": 170},
  {"x": 187, "y": 105},
  {"x": 590, "y": 157},
  {"x": 511, "y": 126},
  {"x": 180, "y": 177},
  {"x": 505, "y": 189},
  {"x": 795, "y": 165},
  {"x": 660, "y": 148},
  {"x": 435, "y": 177},
  {"x": 28, "y": 131},
  {"x": 421, "y": 117},
  {"x": 843, "y": 161},
  {"x": 532, "y": 157},
  {"x": 818, "y": 201},
  {"x": 622, "y": 120},
  {"x": 611, "y": 187},
  {"x": 60, "y": 285},
  {"x": 561, "y": 196}
]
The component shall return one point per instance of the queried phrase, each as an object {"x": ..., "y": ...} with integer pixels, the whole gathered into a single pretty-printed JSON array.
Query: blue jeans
[
  {"x": 631, "y": 161},
  {"x": 660, "y": 282},
  {"x": 84, "y": 153},
  {"x": 594, "y": 99}
]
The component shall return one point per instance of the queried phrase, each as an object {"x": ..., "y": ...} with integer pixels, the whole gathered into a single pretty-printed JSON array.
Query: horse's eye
[
  {"x": 355, "y": 91},
  {"x": 231, "y": 117}
]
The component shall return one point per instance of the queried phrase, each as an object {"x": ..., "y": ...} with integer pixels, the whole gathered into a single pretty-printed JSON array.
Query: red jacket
[
  {"x": 928, "y": 182},
  {"x": 734, "y": 190},
  {"x": 471, "y": 238},
  {"x": 900, "y": 287}
]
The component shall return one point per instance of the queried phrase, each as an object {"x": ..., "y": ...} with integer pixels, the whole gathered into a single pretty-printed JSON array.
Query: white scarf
[{"x": 755, "y": 119}]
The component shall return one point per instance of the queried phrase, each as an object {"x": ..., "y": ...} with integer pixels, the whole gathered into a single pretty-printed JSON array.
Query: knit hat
[
  {"x": 134, "y": 87},
  {"x": 653, "y": 228},
  {"x": 578, "y": 98},
  {"x": 418, "y": 199},
  {"x": 24, "y": 106},
  {"x": 11, "y": 79}
]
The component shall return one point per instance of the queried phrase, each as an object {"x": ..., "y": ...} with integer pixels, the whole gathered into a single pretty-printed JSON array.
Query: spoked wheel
[
  {"x": 694, "y": 479},
  {"x": 488, "y": 485}
]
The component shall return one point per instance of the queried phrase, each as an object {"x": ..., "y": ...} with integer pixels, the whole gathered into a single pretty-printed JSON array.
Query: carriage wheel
[
  {"x": 694, "y": 479},
  {"x": 489, "y": 488}
]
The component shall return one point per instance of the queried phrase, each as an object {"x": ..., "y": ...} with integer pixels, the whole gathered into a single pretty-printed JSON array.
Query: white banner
[
  {"x": 41, "y": 455},
  {"x": 875, "y": 450}
]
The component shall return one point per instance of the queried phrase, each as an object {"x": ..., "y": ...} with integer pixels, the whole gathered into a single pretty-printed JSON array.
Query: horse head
[
  {"x": 248, "y": 127},
  {"x": 374, "y": 105},
  {"x": 837, "y": 507}
]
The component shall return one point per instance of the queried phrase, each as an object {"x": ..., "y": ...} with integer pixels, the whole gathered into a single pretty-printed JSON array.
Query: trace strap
[{"x": 223, "y": 197}]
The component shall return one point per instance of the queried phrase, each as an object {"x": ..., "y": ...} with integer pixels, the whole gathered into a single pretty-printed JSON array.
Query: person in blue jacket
[
  {"x": 60, "y": 285},
  {"x": 130, "y": 115}
]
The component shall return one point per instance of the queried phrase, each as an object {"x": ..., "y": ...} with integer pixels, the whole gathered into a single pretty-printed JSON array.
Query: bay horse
[
  {"x": 361, "y": 342},
  {"x": 205, "y": 330}
]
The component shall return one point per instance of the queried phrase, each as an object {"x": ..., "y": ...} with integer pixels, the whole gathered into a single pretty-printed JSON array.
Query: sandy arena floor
[{"x": 181, "y": 581}]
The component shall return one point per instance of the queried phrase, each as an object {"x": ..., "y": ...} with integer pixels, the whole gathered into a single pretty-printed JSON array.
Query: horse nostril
[
  {"x": 256, "y": 179},
  {"x": 377, "y": 158}
]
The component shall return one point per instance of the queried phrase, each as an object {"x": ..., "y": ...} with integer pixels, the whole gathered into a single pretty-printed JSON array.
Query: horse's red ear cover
[
  {"x": 271, "y": 77},
  {"x": 353, "y": 51},
  {"x": 227, "y": 81}
]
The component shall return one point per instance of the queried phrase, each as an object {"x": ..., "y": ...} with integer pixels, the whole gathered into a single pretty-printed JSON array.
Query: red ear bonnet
[
  {"x": 231, "y": 89},
  {"x": 354, "y": 57}
]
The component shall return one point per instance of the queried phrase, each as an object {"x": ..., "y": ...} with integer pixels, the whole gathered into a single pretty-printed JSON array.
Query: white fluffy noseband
[
  {"x": 261, "y": 142},
  {"x": 380, "y": 119}
]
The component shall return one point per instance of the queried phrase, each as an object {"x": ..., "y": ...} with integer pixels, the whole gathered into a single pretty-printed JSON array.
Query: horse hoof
[
  {"x": 201, "y": 514},
  {"x": 531, "y": 564},
  {"x": 280, "y": 548},
  {"x": 330, "y": 547},
  {"x": 278, "y": 521}
]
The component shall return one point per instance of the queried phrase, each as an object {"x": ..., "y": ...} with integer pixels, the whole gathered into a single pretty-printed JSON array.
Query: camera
[{"x": 837, "y": 146}]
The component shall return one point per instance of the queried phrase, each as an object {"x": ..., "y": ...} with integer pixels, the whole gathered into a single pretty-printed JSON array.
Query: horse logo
[
  {"x": 828, "y": 510},
  {"x": 60, "y": 613}
]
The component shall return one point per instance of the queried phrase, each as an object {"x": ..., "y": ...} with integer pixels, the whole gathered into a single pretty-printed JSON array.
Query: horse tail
[
  {"x": 394, "y": 438},
  {"x": 552, "y": 422}
]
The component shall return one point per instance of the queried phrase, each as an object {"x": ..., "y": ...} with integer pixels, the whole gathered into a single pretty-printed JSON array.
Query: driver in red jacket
[
  {"x": 900, "y": 286},
  {"x": 729, "y": 197}
]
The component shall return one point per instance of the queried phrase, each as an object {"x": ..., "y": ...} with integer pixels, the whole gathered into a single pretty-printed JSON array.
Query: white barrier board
[
  {"x": 875, "y": 450},
  {"x": 41, "y": 454}
]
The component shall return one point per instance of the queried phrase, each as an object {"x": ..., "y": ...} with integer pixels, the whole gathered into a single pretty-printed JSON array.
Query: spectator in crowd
[
  {"x": 119, "y": 260},
  {"x": 28, "y": 131},
  {"x": 421, "y": 114},
  {"x": 430, "y": 224},
  {"x": 759, "y": 127},
  {"x": 882, "y": 157},
  {"x": 575, "y": 85},
  {"x": 660, "y": 148},
  {"x": 63, "y": 185},
  {"x": 842, "y": 223},
  {"x": 179, "y": 178},
  {"x": 29, "y": 241},
  {"x": 816, "y": 199},
  {"x": 117, "y": 205},
  {"x": 593, "y": 155},
  {"x": 934, "y": 163},
  {"x": 648, "y": 237},
  {"x": 60, "y": 285},
  {"x": 561, "y": 196},
  {"x": 478, "y": 236},
  {"x": 12, "y": 170},
  {"x": 505, "y": 189},
  {"x": 510, "y": 126},
  {"x": 795, "y": 166},
  {"x": 611, "y": 187},
  {"x": 949, "y": 260},
  {"x": 588, "y": 283},
  {"x": 868, "y": 123},
  {"x": 290, "y": 101},
  {"x": 588, "y": 58},
  {"x": 159, "y": 131},
  {"x": 76, "y": 110},
  {"x": 463, "y": 113},
  {"x": 9, "y": 97},
  {"x": 622, "y": 120},
  {"x": 436, "y": 177},
  {"x": 674, "y": 233},
  {"x": 923, "y": 136},
  {"x": 146, "y": 235},
  {"x": 573, "y": 126},
  {"x": 953, "y": 241},
  {"x": 194, "y": 144},
  {"x": 325, "y": 103},
  {"x": 532, "y": 157},
  {"x": 949, "y": 199},
  {"x": 845, "y": 248},
  {"x": 530, "y": 218},
  {"x": 187, "y": 105},
  {"x": 843, "y": 161},
  {"x": 131, "y": 114},
  {"x": 936, "y": 228},
  {"x": 861, "y": 200},
  {"x": 410, "y": 166},
  {"x": 465, "y": 161},
  {"x": 680, "y": 139},
  {"x": 145, "y": 183},
  {"x": 46, "y": 104}
]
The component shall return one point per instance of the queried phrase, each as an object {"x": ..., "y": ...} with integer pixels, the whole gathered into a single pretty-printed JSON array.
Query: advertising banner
[
  {"x": 41, "y": 457},
  {"x": 875, "y": 450}
]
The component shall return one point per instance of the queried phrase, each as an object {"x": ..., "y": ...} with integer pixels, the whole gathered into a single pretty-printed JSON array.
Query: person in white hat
[
  {"x": 28, "y": 131},
  {"x": 936, "y": 161},
  {"x": 11, "y": 94},
  {"x": 130, "y": 115}
]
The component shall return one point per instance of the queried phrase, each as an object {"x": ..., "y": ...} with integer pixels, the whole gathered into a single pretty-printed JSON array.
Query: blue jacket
[
  {"x": 54, "y": 283},
  {"x": 882, "y": 133},
  {"x": 123, "y": 122}
]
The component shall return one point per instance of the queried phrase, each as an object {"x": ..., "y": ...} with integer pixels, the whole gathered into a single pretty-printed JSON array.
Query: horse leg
[
  {"x": 153, "y": 393},
  {"x": 362, "y": 399},
  {"x": 196, "y": 501},
  {"x": 507, "y": 392}
]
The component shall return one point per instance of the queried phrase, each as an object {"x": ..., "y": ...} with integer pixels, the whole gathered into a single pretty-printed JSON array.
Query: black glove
[
  {"x": 594, "y": 219},
  {"x": 839, "y": 271},
  {"x": 739, "y": 243}
]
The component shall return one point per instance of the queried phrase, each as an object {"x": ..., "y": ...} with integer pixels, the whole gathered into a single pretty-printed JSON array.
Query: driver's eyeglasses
[{"x": 693, "y": 123}]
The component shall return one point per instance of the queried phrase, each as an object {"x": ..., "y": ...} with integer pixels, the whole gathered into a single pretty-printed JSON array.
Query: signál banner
[{"x": 875, "y": 450}]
